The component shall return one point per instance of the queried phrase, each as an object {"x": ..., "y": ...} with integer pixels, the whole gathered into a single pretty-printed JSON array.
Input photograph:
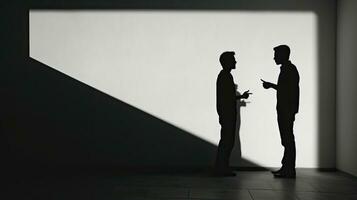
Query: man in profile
[
  {"x": 226, "y": 100},
  {"x": 287, "y": 92}
]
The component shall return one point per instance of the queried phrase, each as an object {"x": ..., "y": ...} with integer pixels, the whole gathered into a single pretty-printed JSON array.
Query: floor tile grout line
[{"x": 250, "y": 194}]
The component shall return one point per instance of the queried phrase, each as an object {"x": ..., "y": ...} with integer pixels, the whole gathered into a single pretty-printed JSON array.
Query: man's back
[
  {"x": 288, "y": 89},
  {"x": 226, "y": 95}
]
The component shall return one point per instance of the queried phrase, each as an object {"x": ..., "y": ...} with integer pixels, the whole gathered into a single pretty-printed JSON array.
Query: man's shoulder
[
  {"x": 293, "y": 72},
  {"x": 223, "y": 74},
  {"x": 291, "y": 68}
]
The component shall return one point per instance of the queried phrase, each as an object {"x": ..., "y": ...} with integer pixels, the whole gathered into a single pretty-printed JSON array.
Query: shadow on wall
[{"x": 56, "y": 121}]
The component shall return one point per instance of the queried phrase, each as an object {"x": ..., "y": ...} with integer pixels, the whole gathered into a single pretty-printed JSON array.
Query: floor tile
[
  {"x": 324, "y": 196},
  {"x": 272, "y": 194},
  {"x": 220, "y": 194},
  {"x": 151, "y": 192}
]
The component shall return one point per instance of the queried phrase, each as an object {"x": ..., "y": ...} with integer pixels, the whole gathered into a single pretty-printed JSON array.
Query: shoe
[
  {"x": 284, "y": 174},
  {"x": 277, "y": 171}
]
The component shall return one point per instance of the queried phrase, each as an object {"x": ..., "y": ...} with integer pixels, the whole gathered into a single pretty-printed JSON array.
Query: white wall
[
  {"x": 347, "y": 87},
  {"x": 166, "y": 63}
]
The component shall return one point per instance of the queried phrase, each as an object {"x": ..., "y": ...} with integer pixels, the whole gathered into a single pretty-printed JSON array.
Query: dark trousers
[
  {"x": 286, "y": 125},
  {"x": 226, "y": 144}
]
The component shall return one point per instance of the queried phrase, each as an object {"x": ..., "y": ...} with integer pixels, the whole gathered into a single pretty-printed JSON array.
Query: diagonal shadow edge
[{"x": 78, "y": 125}]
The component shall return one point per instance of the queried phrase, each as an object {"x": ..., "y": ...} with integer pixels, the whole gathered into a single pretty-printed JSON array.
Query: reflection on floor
[{"x": 247, "y": 185}]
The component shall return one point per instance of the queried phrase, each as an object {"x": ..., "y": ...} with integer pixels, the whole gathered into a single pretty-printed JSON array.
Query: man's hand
[
  {"x": 267, "y": 85},
  {"x": 246, "y": 94}
]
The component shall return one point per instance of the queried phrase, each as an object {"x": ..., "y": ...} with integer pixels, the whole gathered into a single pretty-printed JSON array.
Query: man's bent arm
[{"x": 238, "y": 97}]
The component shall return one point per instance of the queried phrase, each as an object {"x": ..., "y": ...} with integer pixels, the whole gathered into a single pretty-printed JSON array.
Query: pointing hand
[
  {"x": 246, "y": 94},
  {"x": 266, "y": 85}
]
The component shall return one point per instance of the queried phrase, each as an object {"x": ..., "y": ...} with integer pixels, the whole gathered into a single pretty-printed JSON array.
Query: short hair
[
  {"x": 224, "y": 58},
  {"x": 283, "y": 51}
]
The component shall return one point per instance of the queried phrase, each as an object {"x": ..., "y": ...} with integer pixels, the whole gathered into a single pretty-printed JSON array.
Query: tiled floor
[{"x": 247, "y": 185}]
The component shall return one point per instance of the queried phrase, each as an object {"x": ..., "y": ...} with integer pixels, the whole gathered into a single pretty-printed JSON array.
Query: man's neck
[
  {"x": 285, "y": 62},
  {"x": 227, "y": 70}
]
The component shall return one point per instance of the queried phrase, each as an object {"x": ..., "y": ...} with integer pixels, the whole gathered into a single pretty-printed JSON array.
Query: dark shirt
[
  {"x": 226, "y": 96},
  {"x": 288, "y": 89}
]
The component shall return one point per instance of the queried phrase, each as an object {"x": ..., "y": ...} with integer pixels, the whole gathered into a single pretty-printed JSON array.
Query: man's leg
[
  {"x": 220, "y": 151},
  {"x": 225, "y": 146},
  {"x": 290, "y": 144},
  {"x": 282, "y": 130},
  {"x": 286, "y": 123}
]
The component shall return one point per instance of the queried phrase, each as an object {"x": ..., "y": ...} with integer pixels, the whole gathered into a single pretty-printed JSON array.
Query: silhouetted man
[
  {"x": 226, "y": 108},
  {"x": 287, "y": 92}
]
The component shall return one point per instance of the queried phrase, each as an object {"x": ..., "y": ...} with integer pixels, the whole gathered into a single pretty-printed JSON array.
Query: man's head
[
  {"x": 281, "y": 54},
  {"x": 227, "y": 60}
]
